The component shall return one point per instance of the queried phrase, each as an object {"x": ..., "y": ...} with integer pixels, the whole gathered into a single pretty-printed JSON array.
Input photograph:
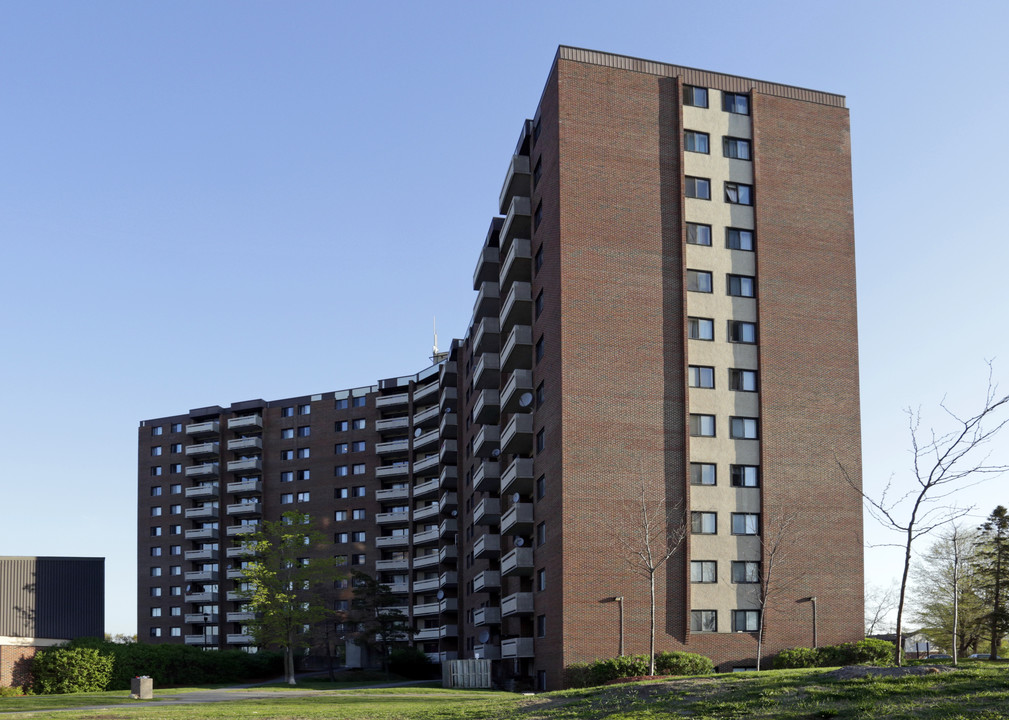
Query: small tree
[
  {"x": 375, "y": 608},
  {"x": 879, "y": 603},
  {"x": 993, "y": 568},
  {"x": 774, "y": 580},
  {"x": 285, "y": 584},
  {"x": 648, "y": 535}
]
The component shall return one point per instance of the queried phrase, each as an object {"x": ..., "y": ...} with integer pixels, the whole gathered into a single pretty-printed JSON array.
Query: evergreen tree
[
  {"x": 375, "y": 610},
  {"x": 993, "y": 569}
]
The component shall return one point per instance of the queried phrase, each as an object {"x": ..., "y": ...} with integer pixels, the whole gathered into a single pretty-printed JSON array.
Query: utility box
[
  {"x": 466, "y": 674},
  {"x": 142, "y": 688}
]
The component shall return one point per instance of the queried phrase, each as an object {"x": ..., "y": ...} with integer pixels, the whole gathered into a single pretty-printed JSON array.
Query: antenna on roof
[{"x": 436, "y": 357}]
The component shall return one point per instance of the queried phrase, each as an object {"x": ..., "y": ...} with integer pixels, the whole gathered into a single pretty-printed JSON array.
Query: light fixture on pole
[
  {"x": 811, "y": 599},
  {"x": 620, "y": 607}
]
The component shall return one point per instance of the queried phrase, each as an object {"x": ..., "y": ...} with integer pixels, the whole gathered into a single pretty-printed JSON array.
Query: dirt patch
[{"x": 860, "y": 671}]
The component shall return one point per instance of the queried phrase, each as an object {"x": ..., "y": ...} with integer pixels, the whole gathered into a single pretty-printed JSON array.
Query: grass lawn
[{"x": 979, "y": 691}]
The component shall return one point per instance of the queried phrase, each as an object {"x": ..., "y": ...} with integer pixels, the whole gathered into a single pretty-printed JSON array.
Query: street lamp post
[
  {"x": 812, "y": 600},
  {"x": 620, "y": 607}
]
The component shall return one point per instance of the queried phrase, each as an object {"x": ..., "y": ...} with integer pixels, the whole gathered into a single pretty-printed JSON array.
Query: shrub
[
  {"x": 602, "y": 671},
  {"x": 577, "y": 675},
  {"x": 410, "y": 662},
  {"x": 14, "y": 691},
  {"x": 681, "y": 663},
  {"x": 799, "y": 657},
  {"x": 71, "y": 670}
]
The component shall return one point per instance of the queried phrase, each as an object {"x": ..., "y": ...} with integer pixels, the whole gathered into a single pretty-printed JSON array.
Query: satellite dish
[
  {"x": 441, "y": 595},
  {"x": 519, "y": 542},
  {"x": 526, "y": 400},
  {"x": 496, "y": 452},
  {"x": 484, "y": 635},
  {"x": 447, "y": 410},
  {"x": 454, "y": 513},
  {"x": 418, "y": 432},
  {"x": 516, "y": 498}
]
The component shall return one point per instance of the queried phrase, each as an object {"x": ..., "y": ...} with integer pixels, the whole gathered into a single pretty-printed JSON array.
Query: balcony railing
[
  {"x": 386, "y": 541},
  {"x": 449, "y": 578},
  {"x": 201, "y": 639},
  {"x": 487, "y": 476},
  {"x": 428, "y": 487},
  {"x": 203, "y": 428},
  {"x": 516, "y": 182},
  {"x": 488, "y": 302},
  {"x": 250, "y": 508},
  {"x": 518, "y": 477},
  {"x": 394, "y": 446},
  {"x": 448, "y": 502},
  {"x": 423, "y": 609},
  {"x": 487, "y": 546},
  {"x": 486, "y": 336},
  {"x": 428, "y": 511},
  {"x": 392, "y": 400},
  {"x": 240, "y": 639},
  {"x": 239, "y": 551},
  {"x": 517, "y": 265},
  {"x": 486, "y": 373},
  {"x": 201, "y": 576},
  {"x": 449, "y": 398},
  {"x": 449, "y": 604},
  {"x": 487, "y": 407},
  {"x": 236, "y": 530},
  {"x": 517, "y": 437},
  {"x": 200, "y": 597},
  {"x": 201, "y": 534},
  {"x": 246, "y": 465},
  {"x": 517, "y": 648},
  {"x": 487, "y": 616},
  {"x": 393, "y": 470},
  {"x": 202, "y": 554},
  {"x": 240, "y": 616},
  {"x": 394, "y": 493},
  {"x": 427, "y": 415},
  {"x": 448, "y": 554},
  {"x": 200, "y": 618},
  {"x": 517, "y": 222},
  {"x": 426, "y": 561},
  {"x": 196, "y": 513},
  {"x": 519, "y": 561},
  {"x": 448, "y": 526},
  {"x": 202, "y": 491},
  {"x": 487, "y": 440},
  {"x": 447, "y": 451},
  {"x": 203, "y": 470},
  {"x": 518, "y": 520},
  {"x": 207, "y": 448},
  {"x": 426, "y": 585},
  {"x": 487, "y": 580},
  {"x": 426, "y": 439},
  {"x": 245, "y": 422},
  {"x": 518, "y": 349},
  {"x": 392, "y": 518},
  {"x": 519, "y": 383},
  {"x": 449, "y": 477},
  {"x": 427, "y": 464},
  {"x": 487, "y": 512},
  {"x": 252, "y": 443},
  {"x": 448, "y": 426},
  {"x": 448, "y": 631},
  {"x": 487, "y": 651},
  {"x": 399, "y": 423},
  {"x": 486, "y": 266},
  {"x": 424, "y": 392},
  {"x": 398, "y": 564},
  {"x": 425, "y": 537},
  {"x": 517, "y": 306},
  {"x": 427, "y": 634},
  {"x": 244, "y": 487}
]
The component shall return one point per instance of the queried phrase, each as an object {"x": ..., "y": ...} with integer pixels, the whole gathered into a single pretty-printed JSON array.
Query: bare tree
[
  {"x": 776, "y": 543},
  {"x": 648, "y": 535},
  {"x": 879, "y": 603},
  {"x": 943, "y": 463}
]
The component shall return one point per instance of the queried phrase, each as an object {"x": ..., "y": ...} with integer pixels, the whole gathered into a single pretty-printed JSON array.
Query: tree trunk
[
  {"x": 996, "y": 615},
  {"x": 651, "y": 624},
  {"x": 760, "y": 639},
  {"x": 898, "y": 655},
  {"x": 289, "y": 660}
]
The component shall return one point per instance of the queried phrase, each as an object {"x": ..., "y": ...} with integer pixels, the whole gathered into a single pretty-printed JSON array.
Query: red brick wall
[{"x": 15, "y": 665}]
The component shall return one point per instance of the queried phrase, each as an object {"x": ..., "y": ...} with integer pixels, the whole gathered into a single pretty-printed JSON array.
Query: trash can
[{"x": 142, "y": 688}]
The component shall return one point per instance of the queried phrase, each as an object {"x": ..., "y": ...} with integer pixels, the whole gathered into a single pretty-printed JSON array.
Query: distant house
[{"x": 45, "y": 601}]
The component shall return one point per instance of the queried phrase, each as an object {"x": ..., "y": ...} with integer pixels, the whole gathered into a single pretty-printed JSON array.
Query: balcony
[
  {"x": 432, "y": 633},
  {"x": 518, "y": 349},
  {"x": 448, "y": 554},
  {"x": 245, "y": 487},
  {"x": 426, "y": 466},
  {"x": 426, "y": 561},
  {"x": 487, "y": 651},
  {"x": 487, "y": 372},
  {"x": 449, "y": 578},
  {"x": 196, "y": 513},
  {"x": 203, "y": 554},
  {"x": 234, "y": 574},
  {"x": 449, "y": 477},
  {"x": 518, "y": 520},
  {"x": 203, "y": 428},
  {"x": 487, "y": 476},
  {"x": 447, "y": 451},
  {"x": 239, "y": 551},
  {"x": 386, "y": 541},
  {"x": 401, "y": 492},
  {"x": 487, "y": 441},
  {"x": 201, "y": 534},
  {"x": 429, "y": 390},
  {"x": 428, "y": 487},
  {"x": 383, "y": 401},
  {"x": 517, "y": 438},
  {"x": 447, "y": 373},
  {"x": 426, "y": 585},
  {"x": 449, "y": 398},
  {"x": 517, "y": 308},
  {"x": 236, "y": 595},
  {"x": 448, "y": 526},
  {"x": 394, "y": 446},
  {"x": 449, "y": 425},
  {"x": 448, "y": 502},
  {"x": 486, "y": 581},
  {"x": 425, "y": 417},
  {"x": 487, "y": 512},
  {"x": 200, "y": 597},
  {"x": 517, "y": 222},
  {"x": 246, "y": 422},
  {"x": 204, "y": 470},
  {"x": 236, "y": 530},
  {"x": 399, "y": 423},
  {"x": 426, "y": 512},
  {"x": 425, "y": 537},
  {"x": 201, "y": 576},
  {"x": 395, "y": 470},
  {"x": 201, "y": 639},
  {"x": 246, "y": 508},
  {"x": 517, "y": 562},
  {"x": 240, "y": 639},
  {"x": 488, "y": 302},
  {"x": 487, "y": 616},
  {"x": 442, "y": 657},
  {"x": 516, "y": 182},
  {"x": 517, "y": 648},
  {"x": 202, "y": 491},
  {"x": 426, "y": 439},
  {"x": 487, "y": 546},
  {"x": 448, "y": 631},
  {"x": 518, "y": 477},
  {"x": 486, "y": 336},
  {"x": 486, "y": 266},
  {"x": 246, "y": 465},
  {"x": 424, "y": 609},
  {"x": 487, "y": 407},
  {"x": 398, "y": 588},
  {"x": 517, "y": 265},
  {"x": 207, "y": 448},
  {"x": 200, "y": 618},
  {"x": 392, "y": 518},
  {"x": 448, "y": 605},
  {"x": 403, "y": 610},
  {"x": 251, "y": 443},
  {"x": 519, "y": 383},
  {"x": 397, "y": 564},
  {"x": 240, "y": 616}
]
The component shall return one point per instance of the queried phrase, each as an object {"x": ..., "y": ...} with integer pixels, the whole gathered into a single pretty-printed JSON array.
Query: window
[
  {"x": 175, "y": 447},
  {"x": 697, "y": 187},
  {"x": 738, "y": 239},
  {"x": 156, "y": 491},
  {"x": 695, "y": 96},
  {"x": 358, "y": 536},
  {"x": 743, "y": 380},
  {"x": 156, "y": 451},
  {"x": 340, "y": 516},
  {"x": 304, "y": 453},
  {"x": 541, "y": 534},
  {"x": 304, "y": 431},
  {"x": 286, "y": 498},
  {"x": 175, "y": 469},
  {"x": 176, "y": 427},
  {"x": 538, "y": 215},
  {"x": 341, "y": 448},
  {"x": 703, "y": 523},
  {"x": 305, "y": 496},
  {"x": 538, "y": 259},
  {"x": 287, "y": 454},
  {"x": 304, "y": 474},
  {"x": 745, "y": 571},
  {"x": 539, "y": 349},
  {"x": 541, "y": 579},
  {"x": 156, "y": 471},
  {"x": 702, "y": 473},
  {"x": 175, "y": 611},
  {"x": 360, "y": 401},
  {"x": 541, "y": 626},
  {"x": 738, "y": 193},
  {"x": 538, "y": 171},
  {"x": 287, "y": 433},
  {"x": 341, "y": 493},
  {"x": 155, "y": 552},
  {"x": 541, "y": 487},
  {"x": 304, "y": 409},
  {"x": 541, "y": 395},
  {"x": 156, "y": 511},
  {"x": 341, "y": 537},
  {"x": 157, "y": 430},
  {"x": 736, "y": 103},
  {"x": 358, "y": 446},
  {"x": 155, "y": 612},
  {"x": 174, "y": 549},
  {"x": 175, "y": 488},
  {"x": 155, "y": 532},
  {"x": 698, "y": 281},
  {"x": 698, "y": 234},
  {"x": 155, "y": 632},
  {"x": 155, "y": 592},
  {"x": 340, "y": 471},
  {"x": 745, "y": 475},
  {"x": 741, "y": 285},
  {"x": 700, "y": 328},
  {"x": 287, "y": 412},
  {"x": 175, "y": 590},
  {"x": 341, "y": 426},
  {"x": 742, "y": 428},
  {"x": 701, "y": 376},
  {"x": 339, "y": 561},
  {"x": 287, "y": 476},
  {"x": 175, "y": 509},
  {"x": 695, "y": 141},
  {"x": 539, "y": 304},
  {"x": 703, "y": 571},
  {"x": 745, "y": 524},
  {"x": 358, "y": 491},
  {"x": 357, "y": 559},
  {"x": 358, "y": 424},
  {"x": 541, "y": 441},
  {"x": 736, "y": 148},
  {"x": 176, "y": 631},
  {"x": 745, "y": 620},
  {"x": 703, "y": 621},
  {"x": 155, "y": 572},
  {"x": 358, "y": 469},
  {"x": 702, "y": 425},
  {"x": 342, "y": 404},
  {"x": 357, "y": 514},
  {"x": 174, "y": 529},
  {"x": 742, "y": 332}
]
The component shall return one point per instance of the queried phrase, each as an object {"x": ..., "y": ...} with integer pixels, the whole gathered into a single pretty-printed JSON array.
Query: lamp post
[
  {"x": 812, "y": 599},
  {"x": 620, "y": 607}
]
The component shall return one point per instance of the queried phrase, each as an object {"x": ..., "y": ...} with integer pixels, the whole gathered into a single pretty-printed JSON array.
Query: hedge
[
  {"x": 870, "y": 651},
  {"x": 61, "y": 670},
  {"x": 600, "y": 672}
]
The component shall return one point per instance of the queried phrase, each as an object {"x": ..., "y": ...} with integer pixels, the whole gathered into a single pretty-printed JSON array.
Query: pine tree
[{"x": 993, "y": 569}]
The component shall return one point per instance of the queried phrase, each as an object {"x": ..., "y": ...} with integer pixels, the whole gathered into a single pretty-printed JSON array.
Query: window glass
[
  {"x": 697, "y": 187},
  {"x": 738, "y": 239},
  {"x": 699, "y": 281},
  {"x": 695, "y": 96},
  {"x": 703, "y": 571},
  {"x": 736, "y": 103},
  {"x": 698, "y": 234},
  {"x": 694, "y": 141},
  {"x": 700, "y": 328},
  {"x": 702, "y": 473},
  {"x": 700, "y": 376}
]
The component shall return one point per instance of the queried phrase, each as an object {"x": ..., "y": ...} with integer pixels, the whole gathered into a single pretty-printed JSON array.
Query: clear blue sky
[{"x": 210, "y": 202}]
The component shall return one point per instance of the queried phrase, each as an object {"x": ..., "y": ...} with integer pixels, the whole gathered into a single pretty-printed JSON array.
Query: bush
[
  {"x": 864, "y": 652},
  {"x": 577, "y": 675},
  {"x": 681, "y": 663},
  {"x": 602, "y": 671},
  {"x": 71, "y": 670},
  {"x": 796, "y": 658},
  {"x": 14, "y": 691},
  {"x": 411, "y": 663}
]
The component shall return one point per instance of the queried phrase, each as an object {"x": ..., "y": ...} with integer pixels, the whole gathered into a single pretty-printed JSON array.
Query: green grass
[{"x": 979, "y": 691}]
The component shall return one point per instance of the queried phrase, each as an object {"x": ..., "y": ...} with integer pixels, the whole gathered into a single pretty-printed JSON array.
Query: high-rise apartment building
[{"x": 665, "y": 307}]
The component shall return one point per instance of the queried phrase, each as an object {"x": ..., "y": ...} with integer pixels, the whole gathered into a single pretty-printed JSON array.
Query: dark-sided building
[{"x": 665, "y": 305}]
